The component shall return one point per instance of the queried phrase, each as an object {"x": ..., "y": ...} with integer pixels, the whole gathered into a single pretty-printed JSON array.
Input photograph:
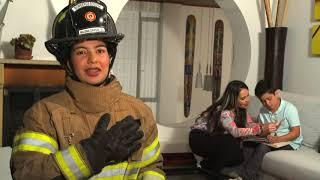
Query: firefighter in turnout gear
[{"x": 91, "y": 129}]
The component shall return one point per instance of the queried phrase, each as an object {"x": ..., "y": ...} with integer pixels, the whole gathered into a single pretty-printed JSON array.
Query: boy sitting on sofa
[{"x": 287, "y": 128}]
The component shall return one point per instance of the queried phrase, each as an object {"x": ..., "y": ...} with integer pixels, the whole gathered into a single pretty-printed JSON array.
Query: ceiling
[{"x": 203, "y": 3}]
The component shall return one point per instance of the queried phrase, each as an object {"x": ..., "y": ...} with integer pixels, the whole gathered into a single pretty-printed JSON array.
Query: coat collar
[{"x": 94, "y": 99}]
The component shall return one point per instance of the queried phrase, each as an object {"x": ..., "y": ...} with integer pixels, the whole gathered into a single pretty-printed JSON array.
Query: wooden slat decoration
[
  {"x": 188, "y": 63},
  {"x": 217, "y": 59}
]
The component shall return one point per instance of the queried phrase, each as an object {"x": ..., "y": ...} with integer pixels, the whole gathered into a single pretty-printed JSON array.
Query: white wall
[
  {"x": 21, "y": 18},
  {"x": 246, "y": 30},
  {"x": 172, "y": 62},
  {"x": 171, "y": 75},
  {"x": 301, "y": 70},
  {"x": 36, "y": 17}
]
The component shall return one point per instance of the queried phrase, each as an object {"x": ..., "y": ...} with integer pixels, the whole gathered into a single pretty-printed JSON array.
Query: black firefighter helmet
[{"x": 82, "y": 20}]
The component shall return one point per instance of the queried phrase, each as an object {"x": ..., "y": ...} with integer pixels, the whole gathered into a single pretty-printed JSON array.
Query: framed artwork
[
  {"x": 316, "y": 10},
  {"x": 315, "y": 41}
]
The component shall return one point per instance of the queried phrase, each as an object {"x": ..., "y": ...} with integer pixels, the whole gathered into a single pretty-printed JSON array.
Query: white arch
[
  {"x": 247, "y": 22},
  {"x": 246, "y": 34},
  {"x": 247, "y": 25}
]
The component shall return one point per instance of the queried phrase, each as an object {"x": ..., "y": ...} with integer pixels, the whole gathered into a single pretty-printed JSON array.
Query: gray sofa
[{"x": 302, "y": 164}]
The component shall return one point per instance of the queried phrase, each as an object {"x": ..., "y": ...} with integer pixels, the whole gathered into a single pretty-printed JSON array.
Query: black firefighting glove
[{"x": 114, "y": 145}]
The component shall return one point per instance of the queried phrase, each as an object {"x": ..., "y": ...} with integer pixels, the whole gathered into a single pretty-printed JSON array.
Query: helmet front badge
[{"x": 90, "y": 16}]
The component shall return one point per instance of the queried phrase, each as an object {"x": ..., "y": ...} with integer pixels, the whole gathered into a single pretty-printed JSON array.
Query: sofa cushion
[
  {"x": 309, "y": 114},
  {"x": 294, "y": 165}
]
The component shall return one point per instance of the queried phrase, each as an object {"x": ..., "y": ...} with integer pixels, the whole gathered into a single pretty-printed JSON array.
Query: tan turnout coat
[{"x": 71, "y": 116}]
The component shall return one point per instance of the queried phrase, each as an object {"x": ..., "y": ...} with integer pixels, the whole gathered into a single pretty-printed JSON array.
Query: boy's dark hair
[{"x": 262, "y": 87}]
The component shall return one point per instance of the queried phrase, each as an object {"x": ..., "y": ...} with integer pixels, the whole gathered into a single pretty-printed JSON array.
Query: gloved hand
[{"x": 113, "y": 145}]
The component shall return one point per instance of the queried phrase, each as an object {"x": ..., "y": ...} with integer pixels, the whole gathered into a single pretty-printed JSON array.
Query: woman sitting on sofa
[{"x": 217, "y": 133}]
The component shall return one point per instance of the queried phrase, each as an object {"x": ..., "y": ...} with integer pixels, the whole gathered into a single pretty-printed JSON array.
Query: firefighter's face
[{"x": 90, "y": 61}]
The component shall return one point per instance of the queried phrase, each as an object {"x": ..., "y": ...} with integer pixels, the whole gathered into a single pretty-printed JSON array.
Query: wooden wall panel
[{"x": 33, "y": 76}]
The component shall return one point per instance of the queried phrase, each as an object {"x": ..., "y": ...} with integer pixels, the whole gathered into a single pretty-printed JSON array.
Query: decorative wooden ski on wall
[
  {"x": 188, "y": 63},
  {"x": 217, "y": 59}
]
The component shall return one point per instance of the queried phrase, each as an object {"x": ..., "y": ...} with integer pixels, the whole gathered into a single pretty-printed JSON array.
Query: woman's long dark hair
[{"x": 228, "y": 101}]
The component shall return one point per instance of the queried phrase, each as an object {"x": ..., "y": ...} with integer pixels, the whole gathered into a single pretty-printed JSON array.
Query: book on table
[{"x": 265, "y": 141}]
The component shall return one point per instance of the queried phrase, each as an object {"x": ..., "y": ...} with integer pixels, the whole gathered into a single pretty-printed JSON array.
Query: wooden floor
[
  {"x": 183, "y": 166},
  {"x": 193, "y": 174},
  {"x": 188, "y": 177}
]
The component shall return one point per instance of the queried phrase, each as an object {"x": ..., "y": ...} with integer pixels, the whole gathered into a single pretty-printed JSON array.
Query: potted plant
[{"x": 23, "y": 46}]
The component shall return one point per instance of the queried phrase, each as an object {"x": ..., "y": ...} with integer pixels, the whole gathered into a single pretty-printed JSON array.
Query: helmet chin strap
[
  {"x": 70, "y": 71},
  {"x": 108, "y": 77}
]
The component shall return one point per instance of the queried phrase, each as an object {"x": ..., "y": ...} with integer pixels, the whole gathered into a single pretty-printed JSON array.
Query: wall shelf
[{"x": 29, "y": 62}]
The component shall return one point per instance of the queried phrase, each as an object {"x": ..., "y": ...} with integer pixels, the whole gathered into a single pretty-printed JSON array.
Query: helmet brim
[
  {"x": 54, "y": 46},
  {"x": 109, "y": 39}
]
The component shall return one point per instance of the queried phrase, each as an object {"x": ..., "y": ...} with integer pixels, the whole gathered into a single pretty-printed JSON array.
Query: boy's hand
[
  {"x": 272, "y": 127},
  {"x": 269, "y": 127},
  {"x": 273, "y": 139}
]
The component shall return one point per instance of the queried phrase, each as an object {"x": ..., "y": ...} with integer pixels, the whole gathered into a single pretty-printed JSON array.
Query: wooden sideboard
[{"x": 24, "y": 74}]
